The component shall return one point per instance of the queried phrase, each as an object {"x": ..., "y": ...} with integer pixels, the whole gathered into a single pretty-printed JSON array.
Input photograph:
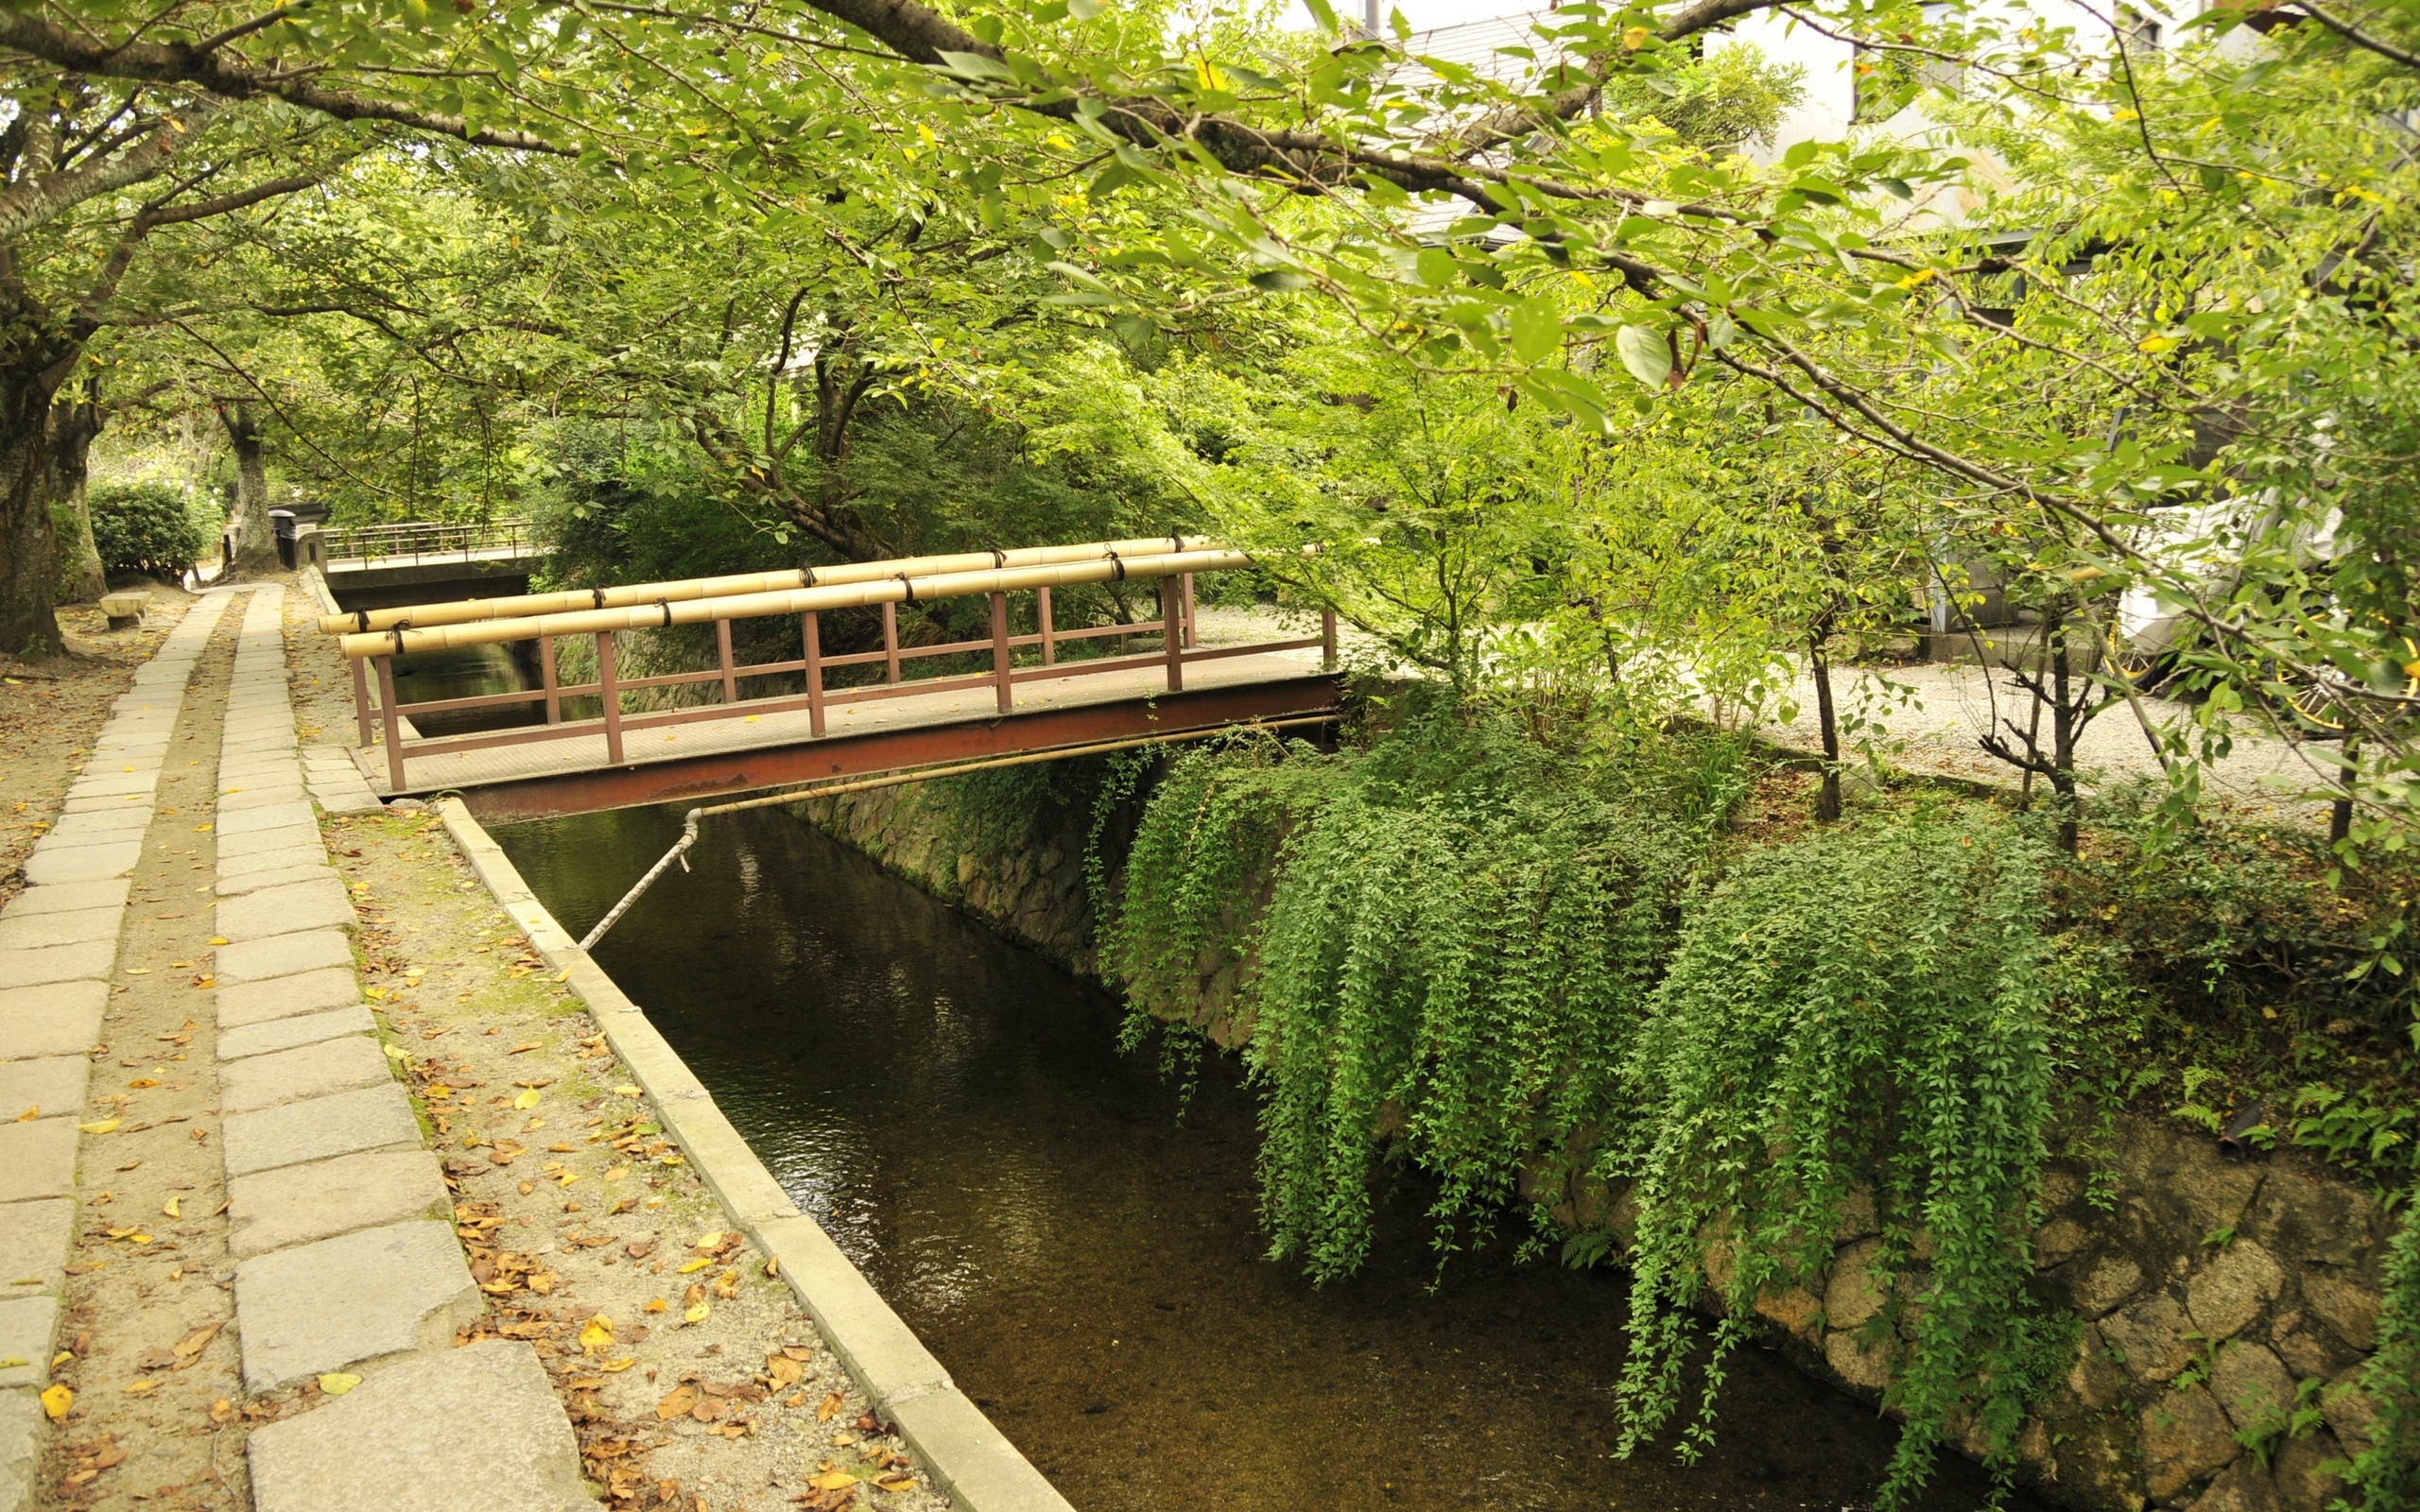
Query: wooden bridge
[
  {"x": 1047, "y": 687},
  {"x": 420, "y": 562}
]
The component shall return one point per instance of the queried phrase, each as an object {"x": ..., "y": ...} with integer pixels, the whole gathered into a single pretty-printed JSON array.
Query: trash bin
[{"x": 281, "y": 521}]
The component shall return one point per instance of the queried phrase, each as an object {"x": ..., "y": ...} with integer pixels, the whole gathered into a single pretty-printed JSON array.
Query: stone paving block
[
  {"x": 96, "y": 805},
  {"x": 285, "y": 790},
  {"x": 55, "y": 1084},
  {"x": 285, "y": 910},
  {"x": 355, "y": 1297},
  {"x": 282, "y": 876},
  {"x": 406, "y": 1440},
  {"x": 261, "y": 842},
  {"x": 57, "y": 963},
  {"x": 304, "y": 1072},
  {"x": 28, "y": 1324},
  {"x": 21, "y": 1439},
  {"x": 36, "y": 1160},
  {"x": 300, "y": 1204},
  {"x": 284, "y": 997},
  {"x": 373, "y": 1118},
  {"x": 82, "y": 863},
  {"x": 55, "y": 1019},
  {"x": 33, "y": 1244},
  {"x": 255, "y": 960},
  {"x": 111, "y": 784},
  {"x": 270, "y": 816},
  {"x": 305, "y": 851},
  {"x": 101, "y": 826},
  {"x": 110, "y": 892},
  {"x": 68, "y": 926},
  {"x": 285, "y": 1033}
]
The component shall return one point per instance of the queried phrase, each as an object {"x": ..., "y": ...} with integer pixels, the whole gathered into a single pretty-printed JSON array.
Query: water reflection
[
  {"x": 470, "y": 671},
  {"x": 1088, "y": 1267}
]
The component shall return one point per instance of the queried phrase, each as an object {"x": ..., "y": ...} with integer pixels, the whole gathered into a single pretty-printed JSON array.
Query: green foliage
[
  {"x": 2388, "y": 1474},
  {"x": 146, "y": 527},
  {"x": 1726, "y": 99},
  {"x": 1861, "y": 1005}
]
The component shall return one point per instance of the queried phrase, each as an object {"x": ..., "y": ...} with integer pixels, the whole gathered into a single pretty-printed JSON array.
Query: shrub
[{"x": 146, "y": 527}]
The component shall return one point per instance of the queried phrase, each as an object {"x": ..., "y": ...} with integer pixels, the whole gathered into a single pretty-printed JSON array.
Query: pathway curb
[{"x": 967, "y": 1456}]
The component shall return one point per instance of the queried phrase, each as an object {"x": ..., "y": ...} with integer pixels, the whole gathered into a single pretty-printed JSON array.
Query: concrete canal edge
[{"x": 968, "y": 1457}]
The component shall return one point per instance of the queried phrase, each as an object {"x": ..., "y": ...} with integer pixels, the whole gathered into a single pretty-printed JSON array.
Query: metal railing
[
  {"x": 1015, "y": 659},
  {"x": 418, "y": 541}
]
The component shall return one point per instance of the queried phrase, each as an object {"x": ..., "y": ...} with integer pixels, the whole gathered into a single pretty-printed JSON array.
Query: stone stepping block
[
  {"x": 271, "y": 793},
  {"x": 284, "y": 997},
  {"x": 22, "y": 1437},
  {"x": 68, "y": 926},
  {"x": 286, "y": 910},
  {"x": 294, "y": 871},
  {"x": 99, "y": 805},
  {"x": 373, "y": 1118},
  {"x": 430, "y": 1435},
  {"x": 57, "y": 963},
  {"x": 355, "y": 1297},
  {"x": 69, "y": 898},
  {"x": 36, "y": 1160},
  {"x": 287, "y": 835},
  {"x": 304, "y": 1072},
  {"x": 56, "y": 1019},
  {"x": 101, "y": 826},
  {"x": 82, "y": 863},
  {"x": 302, "y": 851},
  {"x": 54, "y": 1084},
  {"x": 300, "y": 1204},
  {"x": 270, "y": 816},
  {"x": 34, "y": 1237},
  {"x": 255, "y": 960},
  {"x": 280, "y": 1034},
  {"x": 112, "y": 784},
  {"x": 28, "y": 1324}
]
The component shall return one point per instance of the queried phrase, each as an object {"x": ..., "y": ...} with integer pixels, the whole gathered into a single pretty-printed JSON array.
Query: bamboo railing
[{"x": 372, "y": 640}]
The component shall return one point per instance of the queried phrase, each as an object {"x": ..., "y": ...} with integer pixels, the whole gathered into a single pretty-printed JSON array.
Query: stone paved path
[
  {"x": 336, "y": 1239},
  {"x": 59, "y": 947}
]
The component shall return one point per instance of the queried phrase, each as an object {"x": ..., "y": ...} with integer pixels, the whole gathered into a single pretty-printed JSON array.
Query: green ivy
[
  {"x": 2388, "y": 1473},
  {"x": 1863, "y": 1004}
]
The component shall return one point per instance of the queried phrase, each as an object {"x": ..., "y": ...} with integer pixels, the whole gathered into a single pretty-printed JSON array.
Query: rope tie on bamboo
[
  {"x": 398, "y": 633},
  {"x": 807, "y": 577},
  {"x": 999, "y": 557},
  {"x": 909, "y": 585},
  {"x": 1118, "y": 566},
  {"x": 666, "y": 605},
  {"x": 597, "y": 598},
  {"x": 1176, "y": 542},
  {"x": 361, "y": 618}
]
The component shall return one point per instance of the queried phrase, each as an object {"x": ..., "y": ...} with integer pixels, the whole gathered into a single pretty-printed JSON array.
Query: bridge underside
[
  {"x": 581, "y": 782},
  {"x": 394, "y": 582}
]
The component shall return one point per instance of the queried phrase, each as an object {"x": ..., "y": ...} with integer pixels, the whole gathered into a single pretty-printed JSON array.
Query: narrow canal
[{"x": 1086, "y": 1263}]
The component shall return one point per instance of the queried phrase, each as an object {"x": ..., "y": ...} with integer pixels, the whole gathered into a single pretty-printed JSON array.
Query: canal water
[{"x": 1085, "y": 1262}]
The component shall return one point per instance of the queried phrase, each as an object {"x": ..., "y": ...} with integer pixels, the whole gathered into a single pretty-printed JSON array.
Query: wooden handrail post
[
  {"x": 1327, "y": 638},
  {"x": 722, "y": 645},
  {"x": 612, "y": 692},
  {"x": 1172, "y": 631},
  {"x": 1003, "y": 660},
  {"x": 547, "y": 680},
  {"x": 393, "y": 721},
  {"x": 1049, "y": 632},
  {"x": 361, "y": 701},
  {"x": 1192, "y": 620},
  {"x": 889, "y": 642},
  {"x": 814, "y": 674}
]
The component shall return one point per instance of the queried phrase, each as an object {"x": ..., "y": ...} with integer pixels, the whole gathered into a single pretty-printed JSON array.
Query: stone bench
[{"x": 125, "y": 610}]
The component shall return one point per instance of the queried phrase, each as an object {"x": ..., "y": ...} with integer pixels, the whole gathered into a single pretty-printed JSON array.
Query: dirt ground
[
  {"x": 694, "y": 1379},
  {"x": 51, "y": 708}
]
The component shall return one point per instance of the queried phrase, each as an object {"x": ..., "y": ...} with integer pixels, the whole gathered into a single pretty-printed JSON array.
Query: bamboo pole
[
  {"x": 399, "y": 640},
  {"x": 525, "y": 606}
]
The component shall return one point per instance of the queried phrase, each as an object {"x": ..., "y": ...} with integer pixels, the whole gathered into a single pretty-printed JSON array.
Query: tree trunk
[
  {"x": 2063, "y": 728},
  {"x": 28, "y": 488},
  {"x": 80, "y": 577},
  {"x": 1828, "y": 801},
  {"x": 256, "y": 545}
]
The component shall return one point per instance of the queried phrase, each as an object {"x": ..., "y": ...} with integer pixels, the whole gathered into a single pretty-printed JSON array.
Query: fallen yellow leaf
[
  {"x": 57, "y": 1401},
  {"x": 528, "y": 1099},
  {"x": 655, "y": 1304},
  {"x": 102, "y": 1127},
  {"x": 337, "y": 1383},
  {"x": 696, "y": 1265},
  {"x": 218, "y": 939},
  {"x": 140, "y": 1082},
  {"x": 626, "y": 1089},
  {"x": 611, "y": 1367},
  {"x": 138, "y": 970},
  {"x": 30, "y": 1114},
  {"x": 597, "y": 1335},
  {"x": 140, "y": 1388},
  {"x": 699, "y": 1314},
  {"x": 169, "y": 1208},
  {"x": 829, "y": 1409},
  {"x": 832, "y": 1481}
]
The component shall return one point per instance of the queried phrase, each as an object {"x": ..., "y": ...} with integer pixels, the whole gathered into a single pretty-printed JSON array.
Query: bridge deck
[
  {"x": 748, "y": 751},
  {"x": 434, "y": 556}
]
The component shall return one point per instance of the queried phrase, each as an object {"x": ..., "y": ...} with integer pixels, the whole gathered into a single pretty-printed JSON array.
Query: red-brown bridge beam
[{"x": 692, "y": 778}]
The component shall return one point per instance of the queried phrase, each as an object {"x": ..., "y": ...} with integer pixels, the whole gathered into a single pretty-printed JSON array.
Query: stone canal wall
[{"x": 2223, "y": 1307}]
